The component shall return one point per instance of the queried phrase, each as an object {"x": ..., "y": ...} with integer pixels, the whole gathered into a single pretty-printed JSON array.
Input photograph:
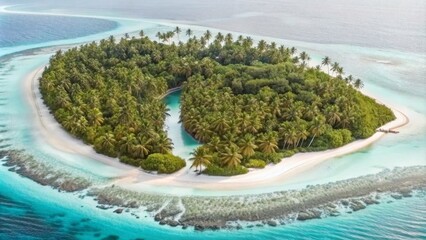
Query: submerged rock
[
  {"x": 198, "y": 228},
  {"x": 173, "y": 223},
  {"x": 356, "y": 205},
  {"x": 118, "y": 210},
  {"x": 344, "y": 202},
  {"x": 335, "y": 213},
  {"x": 103, "y": 207},
  {"x": 396, "y": 196},
  {"x": 157, "y": 217},
  {"x": 272, "y": 223},
  {"x": 309, "y": 214},
  {"x": 405, "y": 192},
  {"x": 370, "y": 201}
]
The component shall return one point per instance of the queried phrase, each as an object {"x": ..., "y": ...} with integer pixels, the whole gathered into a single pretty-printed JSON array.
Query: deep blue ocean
[
  {"x": 32, "y": 211},
  {"x": 26, "y": 29}
]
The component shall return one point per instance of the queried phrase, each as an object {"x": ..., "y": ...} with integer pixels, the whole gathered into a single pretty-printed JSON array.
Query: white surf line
[{"x": 4, "y": 9}]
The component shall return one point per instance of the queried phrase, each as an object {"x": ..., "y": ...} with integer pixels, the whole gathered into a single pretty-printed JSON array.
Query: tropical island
[{"x": 249, "y": 105}]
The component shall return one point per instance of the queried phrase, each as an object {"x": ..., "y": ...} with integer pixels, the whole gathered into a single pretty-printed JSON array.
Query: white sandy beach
[{"x": 51, "y": 131}]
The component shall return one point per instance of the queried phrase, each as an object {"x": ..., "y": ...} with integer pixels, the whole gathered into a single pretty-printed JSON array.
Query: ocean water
[
  {"x": 392, "y": 69},
  {"x": 49, "y": 28}
]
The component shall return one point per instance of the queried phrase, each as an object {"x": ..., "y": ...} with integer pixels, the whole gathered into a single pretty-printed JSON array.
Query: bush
[
  {"x": 288, "y": 153},
  {"x": 256, "y": 163},
  {"x": 163, "y": 163},
  {"x": 338, "y": 138},
  {"x": 346, "y": 135},
  {"x": 269, "y": 158},
  {"x": 130, "y": 161},
  {"x": 215, "y": 170}
]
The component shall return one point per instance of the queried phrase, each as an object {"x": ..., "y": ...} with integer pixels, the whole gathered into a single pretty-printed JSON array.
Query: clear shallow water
[
  {"x": 27, "y": 208},
  {"x": 183, "y": 143}
]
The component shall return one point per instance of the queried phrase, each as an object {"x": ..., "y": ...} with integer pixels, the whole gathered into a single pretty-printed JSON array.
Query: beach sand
[{"x": 129, "y": 177}]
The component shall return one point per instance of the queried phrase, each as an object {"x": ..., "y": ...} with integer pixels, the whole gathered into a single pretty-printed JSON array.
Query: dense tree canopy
[{"x": 244, "y": 101}]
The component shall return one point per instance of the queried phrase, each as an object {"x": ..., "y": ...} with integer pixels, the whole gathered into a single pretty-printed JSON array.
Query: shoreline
[{"x": 135, "y": 179}]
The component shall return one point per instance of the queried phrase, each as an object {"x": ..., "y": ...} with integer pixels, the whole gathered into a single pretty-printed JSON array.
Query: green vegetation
[
  {"x": 163, "y": 163},
  {"x": 243, "y": 101},
  {"x": 216, "y": 170},
  {"x": 255, "y": 163}
]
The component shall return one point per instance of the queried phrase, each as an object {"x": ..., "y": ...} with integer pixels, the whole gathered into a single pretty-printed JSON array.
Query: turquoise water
[
  {"x": 31, "y": 211},
  {"x": 183, "y": 143}
]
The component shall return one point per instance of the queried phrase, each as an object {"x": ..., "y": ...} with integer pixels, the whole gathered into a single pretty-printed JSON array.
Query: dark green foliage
[
  {"x": 163, "y": 163},
  {"x": 255, "y": 163},
  {"x": 215, "y": 170},
  {"x": 274, "y": 157},
  {"x": 243, "y": 101},
  {"x": 334, "y": 138},
  {"x": 130, "y": 161}
]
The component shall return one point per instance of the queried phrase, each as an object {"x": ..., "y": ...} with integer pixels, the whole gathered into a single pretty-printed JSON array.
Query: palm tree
[
  {"x": 168, "y": 36},
  {"x": 326, "y": 61},
  {"x": 111, "y": 39},
  {"x": 358, "y": 83},
  {"x": 159, "y": 35},
  {"x": 95, "y": 117},
  {"x": 304, "y": 57},
  {"x": 293, "y": 50},
  {"x": 247, "y": 42},
  {"x": 202, "y": 132},
  {"x": 340, "y": 72},
  {"x": 189, "y": 33},
  {"x": 214, "y": 144},
  {"x": 127, "y": 143},
  {"x": 333, "y": 114},
  {"x": 200, "y": 157},
  {"x": 247, "y": 146},
  {"x": 335, "y": 67},
  {"x": 107, "y": 141},
  {"x": 177, "y": 31},
  {"x": 142, "y": 148},
  {"x": 208, "y": 36},
  {"x": 303, "y": 134},
  {"x": 219, "y": 37},
  {"x": 349, "y": 79},
  {"x": 292, "y": 137},
  {"x": 317, "y": 127},
  {"x": 163, "y": 144},
  {"x": 228, "y": 39},
  {"x": 268, "y": 143},
  {"x": 261, "y": 45},
  {"x": 220, "y": 125},
  {"x": 283, "y": 132},
  {"x": 141, "y": 33},
  {"x": 231, "y": 157}
]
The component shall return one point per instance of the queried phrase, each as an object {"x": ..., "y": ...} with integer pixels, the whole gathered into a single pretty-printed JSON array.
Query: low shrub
[
  {"x": 130, "y": 161},
  {"x": 163, "y": 163},
  {"x": 256, "y": 163},
  {"x": 215, "y": 170},
  {"x": 288, "y": 153},
  {"x": 269, "y": 158}
]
